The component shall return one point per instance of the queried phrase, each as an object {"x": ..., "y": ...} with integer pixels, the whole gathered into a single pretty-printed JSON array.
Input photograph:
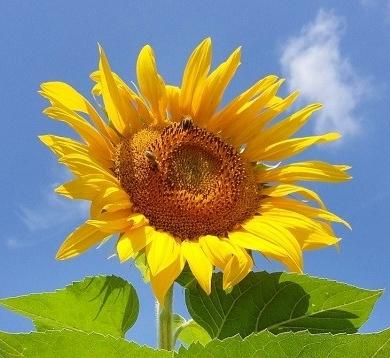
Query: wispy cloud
[
  {"x": 51, "y": 211},
  {"x": 314, "y": 64},
  {"x": 50, "y": 216}
]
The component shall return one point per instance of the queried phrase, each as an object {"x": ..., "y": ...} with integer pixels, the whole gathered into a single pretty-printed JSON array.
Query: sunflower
[{"x": 185, "y": 180}]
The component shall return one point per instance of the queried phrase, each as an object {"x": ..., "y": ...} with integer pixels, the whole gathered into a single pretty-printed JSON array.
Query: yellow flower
[{"x": 186, "y": 181}]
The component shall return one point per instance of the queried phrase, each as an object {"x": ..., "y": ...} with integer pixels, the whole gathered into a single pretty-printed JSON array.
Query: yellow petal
[
  {"x": 278, "y": 107},
  {"x": 86, "y": 187},
  {"x": 288, "y": 148},
  {"x": 162, "y": 251},
  {"x": 82, "y": 165},
  {"x": 116, "y": 222},
  {"x": 219, "y": 251},
  {"x": 274, "y": 101},
  {"x": 122, "y": 204},
  {"x": 304, "y": 209},
  {"x": 237, "y": 268},
  {"x": 215, "y": 87},
  {"x": 60, "y": 92},
  {"x": 309, "y": 232},
  {"x": 62, "y": 145},
  {"x": 164, "y": 279},
  {"x": 320, "y": 238},
  {"x": 195, "y": 75},
  {"x": 233, "y": 260},
  {"x": 305, "y": 171},
  {"x": 199, "y": 264},
  {"x": 114, "y": 105},
  {"x": 288, "y": 189},
  {"x": 80, "y": 240},
  {"x": 134, "y": 240},
  {"x": 97, "y": 144},
  {"x": 247, "y": 125},
  {"x": 288, "y": 126},
  {"x": 151, "y": 83},
  {"x": 271, "y": 240},
  {"x": 65, "y": 94},
  {"x": 137, "y": 112},
  {"x": 173, "y": 106},
  {"x": 228, "y": 114},
  {"x": 78, "y": 123},
  {"x": 110, "y": 199},
  {"x": 248, "y": 120},
  {"x": 289, "y": 219}
]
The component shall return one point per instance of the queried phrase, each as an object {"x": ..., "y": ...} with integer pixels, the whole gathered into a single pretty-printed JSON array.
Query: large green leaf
[
  {"x": 69, "y": 344},
  {"x": 72, "y": 344},
  {"x": 103, "y": 304},
  {"x": 280, "y": 302},
  {"x": 301, "y": 344}
]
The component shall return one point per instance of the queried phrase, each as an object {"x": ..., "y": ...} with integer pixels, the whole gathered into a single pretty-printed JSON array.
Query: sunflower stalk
[{"x": 165, "y": 322}]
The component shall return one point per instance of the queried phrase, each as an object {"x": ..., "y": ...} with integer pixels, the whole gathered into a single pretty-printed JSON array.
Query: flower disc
[{"x": 186, "y": 180}]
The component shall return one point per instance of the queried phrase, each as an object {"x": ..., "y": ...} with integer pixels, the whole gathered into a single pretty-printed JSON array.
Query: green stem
[{"x": 165, "y": 326}]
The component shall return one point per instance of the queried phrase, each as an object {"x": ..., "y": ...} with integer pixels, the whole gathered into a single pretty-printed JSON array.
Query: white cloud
[
  {"x": 51, "y": 211},
  {"x": 51, "y": 216},
  {"x": 315, "y": 65}
]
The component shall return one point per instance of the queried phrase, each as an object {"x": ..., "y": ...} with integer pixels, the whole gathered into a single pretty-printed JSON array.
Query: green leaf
[
  {"x": 186, "y": 278},
  {"x": 142, "y": 265},
  {"x": 280, "y": 302},
  {"x": 177, "y": 321},
  {"x": 192, "y": 333},
  {"x": 189, "y": 332},
  {"x": 301, "y": 344},
  {"x": 69, "y": 344},
  {"x": 102, "y": 304}
]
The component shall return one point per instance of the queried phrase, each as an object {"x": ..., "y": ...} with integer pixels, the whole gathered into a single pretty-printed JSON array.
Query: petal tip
[
  {"x": 207, "y": 41},
  {"x": 146, "y": 49},
  {"x": 44, "y": 138},
  {"x": 60, "y": 255}
]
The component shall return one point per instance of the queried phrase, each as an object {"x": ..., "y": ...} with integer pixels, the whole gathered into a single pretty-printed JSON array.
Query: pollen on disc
[{"x": 186, "y": 180}]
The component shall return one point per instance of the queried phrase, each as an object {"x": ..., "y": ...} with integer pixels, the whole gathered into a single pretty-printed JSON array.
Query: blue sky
[{"x": 334, "y": 52}]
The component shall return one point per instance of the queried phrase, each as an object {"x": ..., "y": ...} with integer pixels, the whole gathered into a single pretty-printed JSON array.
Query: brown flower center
[{"x": 186, "y": 181}]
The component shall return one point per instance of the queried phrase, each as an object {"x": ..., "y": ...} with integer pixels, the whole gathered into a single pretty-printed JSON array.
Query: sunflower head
[
  {"x": 183, "y": 179},
  {"x": 186, "y": 180}
]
